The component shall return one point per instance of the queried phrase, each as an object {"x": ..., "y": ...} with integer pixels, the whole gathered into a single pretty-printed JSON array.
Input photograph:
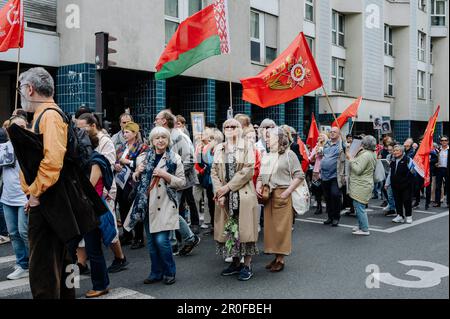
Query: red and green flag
[
  {"x": 11, "y": 25},
  {"x": 200, "y": 36}
]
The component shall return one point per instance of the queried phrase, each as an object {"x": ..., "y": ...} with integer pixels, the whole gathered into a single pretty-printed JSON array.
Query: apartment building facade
[{"x": 393, "y": 53}]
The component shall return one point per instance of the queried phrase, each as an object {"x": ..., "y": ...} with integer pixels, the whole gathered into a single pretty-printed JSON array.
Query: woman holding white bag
[{"x": 280, "y": 175}]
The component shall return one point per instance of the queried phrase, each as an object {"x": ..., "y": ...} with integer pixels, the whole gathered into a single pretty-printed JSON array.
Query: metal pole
[{"x": 17, "y": 79}]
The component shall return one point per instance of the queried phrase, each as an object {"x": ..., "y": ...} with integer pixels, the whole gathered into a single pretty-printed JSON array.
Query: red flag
[
  {"x": 294, "y": 73},
  {"x": 422, "y": 158},
  {"x": 313, "y": 134},
  {"x": 304, "y": 154},
  {"x": 11, "y": 26},
  {"x": 350, "y": 112}
]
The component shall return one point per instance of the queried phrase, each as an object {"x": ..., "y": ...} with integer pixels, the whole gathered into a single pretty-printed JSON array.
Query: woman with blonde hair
[
  {"x": 156, "y": 204},
  {"x": 282, "y": 174},
  {"x": 235, "y": 221},
  {"x": 316, "y": 184}
]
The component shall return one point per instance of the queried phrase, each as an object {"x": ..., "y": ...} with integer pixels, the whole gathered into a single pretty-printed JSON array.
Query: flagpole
[
  {"x": 231, "y": 86},
  {"x": 17, "y": 79},
  {"x": 353, "y": 124}
]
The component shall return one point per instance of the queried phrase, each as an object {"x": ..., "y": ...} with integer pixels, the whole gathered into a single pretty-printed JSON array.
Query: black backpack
[{"x": 79, "y": 146}]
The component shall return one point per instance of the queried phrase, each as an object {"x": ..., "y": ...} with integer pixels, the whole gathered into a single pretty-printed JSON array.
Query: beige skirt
[{"x": 278, "y": 217}]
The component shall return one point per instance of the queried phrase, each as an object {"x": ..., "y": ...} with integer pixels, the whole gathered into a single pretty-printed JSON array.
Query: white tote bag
[{"x": 301, "y": 198}]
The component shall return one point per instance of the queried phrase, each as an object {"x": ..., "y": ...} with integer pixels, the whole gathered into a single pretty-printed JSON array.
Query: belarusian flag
[
  {"x": 11, "y": 25},
  {"x": 200, "y": 36}
]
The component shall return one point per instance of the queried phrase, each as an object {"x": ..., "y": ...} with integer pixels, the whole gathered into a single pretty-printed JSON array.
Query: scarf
[{"x": 140, "y": 206}]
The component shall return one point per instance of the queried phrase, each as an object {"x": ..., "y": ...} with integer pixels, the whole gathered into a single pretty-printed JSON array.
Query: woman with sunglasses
[{"x": 235, "y": 221}]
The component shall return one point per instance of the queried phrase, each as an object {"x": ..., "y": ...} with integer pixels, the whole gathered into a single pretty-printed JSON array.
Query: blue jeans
[
  {"x": 3, "y": 229},
  {"x": 390, "y": 199},
  {"x": 17, "y": 223},
  {"x": 161, "y": 257},
  {"x": 186, "y": 233},
  {"x": 99, "y": 271},
  {"x": 361, "y": 214}
]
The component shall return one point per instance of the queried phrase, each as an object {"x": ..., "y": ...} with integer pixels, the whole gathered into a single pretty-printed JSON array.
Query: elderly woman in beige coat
[
  {"x": 282, "y": 172},
  {"x": 157, "y": 205},
  {"x": 235, "y": 221}
]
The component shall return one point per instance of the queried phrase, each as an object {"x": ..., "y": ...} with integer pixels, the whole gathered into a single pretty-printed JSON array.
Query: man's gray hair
[
  {"x": 267, "y": 123},
  {"x": 399, "y": 147},
  {"x": 40, "y": 80},
  {"x": 369, "y": 143}
]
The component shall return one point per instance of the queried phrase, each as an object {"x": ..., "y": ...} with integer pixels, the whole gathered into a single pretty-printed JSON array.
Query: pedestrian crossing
[{"x": 21, "y": 287}]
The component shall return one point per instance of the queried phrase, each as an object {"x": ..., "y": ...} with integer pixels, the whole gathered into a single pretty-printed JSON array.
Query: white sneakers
[
  {"x": 399, "y": 219},
  {"x": 4, "y": 239},
  {"x": 360, "y": 232},
  {"x": 18, "y": 273},
  {"x": 387, "y": 208},
  {"x": 204, "y": 226}
]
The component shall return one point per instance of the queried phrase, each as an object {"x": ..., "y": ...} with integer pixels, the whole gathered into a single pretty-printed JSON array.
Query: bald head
[{"x": 335, "y": 134}]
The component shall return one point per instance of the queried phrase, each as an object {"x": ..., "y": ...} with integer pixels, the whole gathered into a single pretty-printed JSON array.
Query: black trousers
[
  {"x": 188, "y": 196},
  {"x": 418, "y": 185},
  {"x": 49, "y": 261},
  {"x": 211, "y": 203},
  {"x": 441, "y": 177},
  {"x": 333, "y": 198},
  {"x": 317, "y": 192},
  {"x": 403, "y": 200}
]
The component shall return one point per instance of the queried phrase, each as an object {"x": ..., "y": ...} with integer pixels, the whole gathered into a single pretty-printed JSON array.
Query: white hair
[
  {"x": 159, "y": 131},
  {"x": 40, "y": 80}
]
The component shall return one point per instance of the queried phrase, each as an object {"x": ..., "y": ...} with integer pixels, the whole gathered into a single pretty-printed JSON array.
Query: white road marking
[
  {"x": 389, "y": 230},
  {"x": 7, "y": 259},
  {"x": 19, "y": 286},
  {"x": 426, "y": 212},
  {"x": 122, "y": 293}
]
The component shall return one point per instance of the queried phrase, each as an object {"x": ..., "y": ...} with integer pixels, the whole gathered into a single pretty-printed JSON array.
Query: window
[
  {"x": 309, "y": 10},
  {"x": 438, "y": 12},
  {"x": 263, "y": 37},
  {"x": 311, "y": 44},
  {"x": 421, "y": 39},
  {"x": 431, "y": 52},
  {"x": 431, "y": 91},
  {"x": 175, "y": 11},
  {"x": 422, "y": 4},
  {"x": 337, "y": 75},
  {"x": 420, "y": 85},
  {"x": 388, "y": 47},
  {"x": 389, "y": 81},
  {"x": 337, "y": 29}
]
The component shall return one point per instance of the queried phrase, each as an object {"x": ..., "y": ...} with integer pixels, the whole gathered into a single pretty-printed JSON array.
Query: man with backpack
[{"x": 62, "y": 204}]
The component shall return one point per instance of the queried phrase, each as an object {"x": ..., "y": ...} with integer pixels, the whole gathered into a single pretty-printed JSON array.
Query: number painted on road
[{"x": 427, "y": 279}]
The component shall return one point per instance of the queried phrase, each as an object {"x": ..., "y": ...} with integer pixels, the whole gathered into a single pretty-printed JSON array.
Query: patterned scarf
[{"x": 140, "y": 205}]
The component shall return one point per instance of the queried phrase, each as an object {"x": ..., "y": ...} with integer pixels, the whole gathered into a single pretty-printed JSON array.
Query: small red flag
[
  {"x": 350, "y": 112},
  {"x": 304, "y": 154},
  {"x": 11, "y": 26},
  {"x": 293, "y": 74},
  {"x": 422, "y": 158},
  {"x": 313, "y": 134}
]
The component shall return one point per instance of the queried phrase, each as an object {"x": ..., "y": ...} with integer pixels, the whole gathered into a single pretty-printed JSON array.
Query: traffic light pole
[{"x": 98, "y": 92}]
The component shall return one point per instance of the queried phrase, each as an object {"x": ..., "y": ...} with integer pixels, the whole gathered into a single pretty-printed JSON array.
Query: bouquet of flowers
[{"x": 232, "y": 235}]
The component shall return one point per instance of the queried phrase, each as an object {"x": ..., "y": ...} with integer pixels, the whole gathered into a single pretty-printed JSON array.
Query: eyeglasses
[
  {"x": 444, "y": 140},
  {"x": 230, "y": 127},
  {"x": 268, "y": 127}
]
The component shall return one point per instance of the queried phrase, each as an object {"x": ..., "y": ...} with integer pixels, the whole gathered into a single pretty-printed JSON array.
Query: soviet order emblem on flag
[
  {"x": 293, "y": 74},
  {"x": 11, "y": 25}
]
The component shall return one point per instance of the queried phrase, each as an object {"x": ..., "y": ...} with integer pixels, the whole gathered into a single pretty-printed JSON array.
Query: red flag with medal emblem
[
  {"x": 293, "y": 74},
  {"x": 11, "y": 25}
]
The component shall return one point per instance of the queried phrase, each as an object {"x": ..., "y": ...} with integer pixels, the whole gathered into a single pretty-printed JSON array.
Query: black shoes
[
  {"x": 195, "y": 229},
  {"x": 335, "y": 223},
  {"x": 137, "y": 243},
  {"x": 169, "y": 280},
  {"x": 384, "y": 204},
  {"x": 187, "y": 249},
  {"x": 125, "y": 240},
  {"x": 149, "y": 281},
  {"x": 232, "y": 270},
  {"x": 118, "y": 265},
  {"x": 328, "y": 222},
  {"x": 416, "y": 204},
  {"x": 318, "y": 210},
  {"x": 437, "y": 205}
]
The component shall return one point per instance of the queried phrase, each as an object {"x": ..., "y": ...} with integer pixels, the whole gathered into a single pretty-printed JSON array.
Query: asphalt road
[{"x": 326, "y": 263}]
